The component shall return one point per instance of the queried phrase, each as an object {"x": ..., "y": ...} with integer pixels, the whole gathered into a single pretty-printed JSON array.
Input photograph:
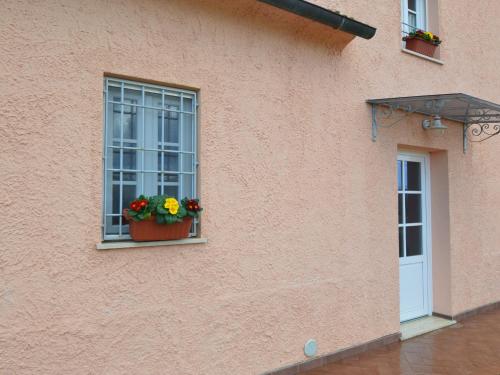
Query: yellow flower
[
  {"x": 172, "y": 205},
  {"x": 429, "y": 34}
]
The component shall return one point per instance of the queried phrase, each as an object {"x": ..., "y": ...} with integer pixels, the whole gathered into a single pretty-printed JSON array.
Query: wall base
[
  {"x": 335, "y": 356},
  {"x": 469, "y": 313}
]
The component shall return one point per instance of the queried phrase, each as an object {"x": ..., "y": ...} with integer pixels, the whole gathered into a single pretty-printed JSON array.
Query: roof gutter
[{"x": 327, "y": 17}]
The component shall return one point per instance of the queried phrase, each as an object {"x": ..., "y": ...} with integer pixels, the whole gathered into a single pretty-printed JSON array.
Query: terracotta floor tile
[{"x": 471, "y": 347}]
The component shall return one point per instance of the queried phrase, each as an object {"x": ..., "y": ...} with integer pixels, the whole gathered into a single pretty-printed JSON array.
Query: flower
[
  {"x": 172, "y": 205},
  {"x": 135, "y": 206},
  {"x": 143, "y": 203},
  {"x": 192, "y": 205},
  {"x": 423, "y": 35}
]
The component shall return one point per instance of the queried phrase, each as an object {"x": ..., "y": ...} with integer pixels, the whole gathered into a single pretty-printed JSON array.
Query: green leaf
[
  {"x": 161, "y": 210},
  {"x": 160, "y": 219},
  {"x": 182, "y": 212},
  {"x": 170, "y": 219}
]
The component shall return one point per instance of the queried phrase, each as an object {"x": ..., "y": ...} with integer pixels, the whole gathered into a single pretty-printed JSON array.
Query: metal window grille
[{"x": 150, "y": 147}]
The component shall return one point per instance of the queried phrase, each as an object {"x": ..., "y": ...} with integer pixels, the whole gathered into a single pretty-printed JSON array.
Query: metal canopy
[{"x": 480, "y": 118}]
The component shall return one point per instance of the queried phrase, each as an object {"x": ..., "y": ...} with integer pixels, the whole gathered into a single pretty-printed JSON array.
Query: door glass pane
[
  {"x": 400, "y": 175},
  {"x": 413, "y": 241},
  {"x": 401, "y": 243},
  {"x": 413, "y": 176},
  {"x": 412, "y": 5},
  {"x": 400, "y": 208},
  {"x": 413, "y": 208}
]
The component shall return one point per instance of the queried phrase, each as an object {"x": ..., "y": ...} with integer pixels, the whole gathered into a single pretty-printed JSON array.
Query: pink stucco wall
[{"x": 300, "y": 203}]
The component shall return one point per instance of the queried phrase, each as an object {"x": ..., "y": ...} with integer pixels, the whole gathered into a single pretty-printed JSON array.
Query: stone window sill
[
  {"x": 431, "y": 59},
  {"x": 131, "y": 244}
]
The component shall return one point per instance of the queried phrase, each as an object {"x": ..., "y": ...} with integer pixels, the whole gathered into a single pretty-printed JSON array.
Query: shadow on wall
[{"x": 269, "y": 20}]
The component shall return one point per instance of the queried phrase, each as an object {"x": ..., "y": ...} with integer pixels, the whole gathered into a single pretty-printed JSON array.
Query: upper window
[
  {"x": 150, "y": 147},
  {"x": 414, "y": 15}
]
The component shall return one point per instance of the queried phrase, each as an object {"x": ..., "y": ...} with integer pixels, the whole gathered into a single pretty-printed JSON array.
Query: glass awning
[{"x": 480, "y": 118}]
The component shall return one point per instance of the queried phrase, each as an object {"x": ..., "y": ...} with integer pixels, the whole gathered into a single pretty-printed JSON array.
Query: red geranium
[
  {"x": 192, "y": 205},
  {"x": 138, "y": 204}
]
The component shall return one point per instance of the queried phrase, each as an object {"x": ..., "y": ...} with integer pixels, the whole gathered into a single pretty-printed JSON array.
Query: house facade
[{"x": 330, "y": 212}]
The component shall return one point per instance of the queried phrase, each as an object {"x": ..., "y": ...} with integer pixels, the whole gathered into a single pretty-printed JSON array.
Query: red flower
[
  {"x": 135, "y": 205},
  {"x": 192, "y": 205},
  {"x": 143, "y": 203}
]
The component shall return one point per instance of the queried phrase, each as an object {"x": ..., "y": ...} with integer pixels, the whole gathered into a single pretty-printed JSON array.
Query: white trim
[
  {"x": 424, "y": 158},
  {"x": 432, "y": 59},
  {"x": 131, "y": 244}
]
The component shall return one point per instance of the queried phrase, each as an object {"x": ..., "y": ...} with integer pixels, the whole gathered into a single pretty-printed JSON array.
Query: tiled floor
[{"x": 469, "y": 347}]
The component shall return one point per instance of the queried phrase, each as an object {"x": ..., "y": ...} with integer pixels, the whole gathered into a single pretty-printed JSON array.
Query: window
[
  {"x": 414, "y": 15},
  {"x": 149, "y": 147}
]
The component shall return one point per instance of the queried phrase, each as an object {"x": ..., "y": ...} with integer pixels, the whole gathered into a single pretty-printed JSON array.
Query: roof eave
[{"x": 325, "y": 16}]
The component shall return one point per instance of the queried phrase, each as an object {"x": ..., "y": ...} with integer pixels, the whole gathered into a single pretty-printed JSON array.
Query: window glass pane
[
  {"x": 152, "y": 98},
  {"x": 170, "y": 161},
  {"x": 187, "y": 186},
  {"x": 412, "y": 21},
  {"x": 412, "y": 175},
  {"x": 171, "y": 191},
  {"x": 172, "y": 102},
  {"x": 116, "y": 121},
  {"x": 129, "y": 159},
  {"x": 152, "y": 121},
  {"x": 400, "y": 176},
  {"x": 128, "y": 196},
  {"x": 127, "y": 176},
  {"x": 400, "y": 208},
  {"x": 168, "y": 177},
  {"x": 152, "y": 161},
  {"x": 187, "y": 163},
  {"x": 170, "y": 128},
  {"x": 187, "y": 104},
  {"x": 130, "y": 122},
  {"x": 413, "y": 241},
  {"x": 401, "y": 243},
  {"x": 413, "y": 208},
  {"x": 187, "y": 133},
  {"x": 412, "y": 5},
  {"x": 114, "y": 93}
]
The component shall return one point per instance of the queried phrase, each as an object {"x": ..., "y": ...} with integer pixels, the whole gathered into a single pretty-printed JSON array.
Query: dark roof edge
[{"x": 327, "y": 17}]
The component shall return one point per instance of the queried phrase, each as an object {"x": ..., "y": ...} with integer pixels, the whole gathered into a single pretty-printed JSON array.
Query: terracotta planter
[
  {"x": 150, "y": 230},
  {"x": 421, "y": 46}
]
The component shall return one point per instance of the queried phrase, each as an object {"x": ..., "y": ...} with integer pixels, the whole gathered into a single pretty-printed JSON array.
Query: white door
[{"x": 414, "y": 280}]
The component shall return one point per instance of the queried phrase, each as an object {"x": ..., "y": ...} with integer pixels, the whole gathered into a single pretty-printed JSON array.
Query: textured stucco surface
[{"x": 301, "y": 207}]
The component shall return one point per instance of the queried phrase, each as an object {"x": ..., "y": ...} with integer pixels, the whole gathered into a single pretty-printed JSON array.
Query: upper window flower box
[{"x": 423, "y": 42}]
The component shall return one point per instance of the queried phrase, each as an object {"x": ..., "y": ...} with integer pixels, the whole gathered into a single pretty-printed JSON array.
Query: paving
[{"x": 470, "y": 347}]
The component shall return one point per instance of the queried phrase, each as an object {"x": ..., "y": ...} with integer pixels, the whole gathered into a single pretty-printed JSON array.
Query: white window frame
[
  {"x": 420, "y": 13},
  {"x": 146, "y": 152}
]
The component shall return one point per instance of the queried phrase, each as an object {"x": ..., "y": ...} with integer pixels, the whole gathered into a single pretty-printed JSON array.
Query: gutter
[{"x": 327, "y": 17}]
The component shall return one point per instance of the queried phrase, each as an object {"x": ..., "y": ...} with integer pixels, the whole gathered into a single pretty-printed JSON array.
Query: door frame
[{"x": 423, "y": 157}]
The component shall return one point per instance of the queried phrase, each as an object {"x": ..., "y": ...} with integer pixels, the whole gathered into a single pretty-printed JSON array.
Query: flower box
[
  {"x": 421, "y": 46},
  {"x": 160, "y": 218},
  {"x": 423, "y": 42},
  {"x": 150, "y": 230}
]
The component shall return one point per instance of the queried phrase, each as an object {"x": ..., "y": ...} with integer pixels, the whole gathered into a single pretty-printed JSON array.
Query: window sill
[
  {"x": 436, "y": 61},
  {"x": 131, "y": 244}
]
